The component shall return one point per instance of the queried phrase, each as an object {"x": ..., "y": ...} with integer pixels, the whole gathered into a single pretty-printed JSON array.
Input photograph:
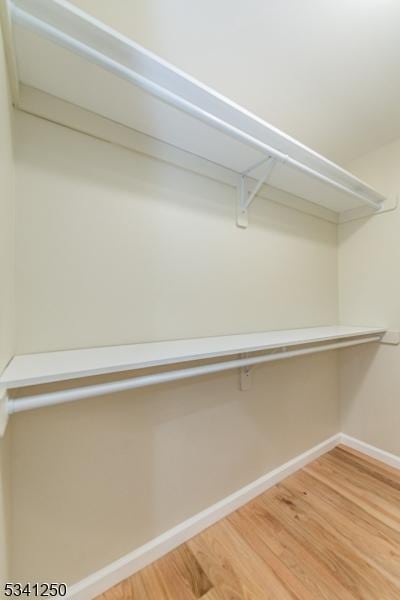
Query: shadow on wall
[{"x": 359, "y": 362}]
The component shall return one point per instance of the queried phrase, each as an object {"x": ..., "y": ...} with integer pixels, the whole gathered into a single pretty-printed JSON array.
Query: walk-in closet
[{"x": 200, "y": 299}]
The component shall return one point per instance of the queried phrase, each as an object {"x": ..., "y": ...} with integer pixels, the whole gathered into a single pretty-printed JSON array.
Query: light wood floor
[{"x": 331, "y": 531}]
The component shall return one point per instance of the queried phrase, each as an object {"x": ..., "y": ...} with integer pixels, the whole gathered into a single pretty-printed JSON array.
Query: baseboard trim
[
  {"x": 372, "y": 451},
  {"x": 102, "y": 580}
]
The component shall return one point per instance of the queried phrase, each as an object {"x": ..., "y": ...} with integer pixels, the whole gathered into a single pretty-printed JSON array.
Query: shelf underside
[
  {"x": 32, "y": 369},
  {"x": 71, "y": 76}
]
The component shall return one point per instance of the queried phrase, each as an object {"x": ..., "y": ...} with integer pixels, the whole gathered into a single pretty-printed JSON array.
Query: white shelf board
[
  {"x": 43, "y": 31},
  {"x": 33, "y": 369}
]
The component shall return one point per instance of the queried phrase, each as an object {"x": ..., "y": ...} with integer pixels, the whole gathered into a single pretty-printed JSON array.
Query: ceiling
[{"x": 327, "y": 73}]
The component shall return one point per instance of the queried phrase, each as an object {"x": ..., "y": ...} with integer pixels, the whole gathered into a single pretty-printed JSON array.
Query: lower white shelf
[{"x": 34, "y": 369}]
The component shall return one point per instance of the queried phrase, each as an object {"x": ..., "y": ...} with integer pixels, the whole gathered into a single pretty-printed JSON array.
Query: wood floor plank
[
  {"x": 379, "y": 543},
  {"x": 234, "y": 569},
  {"x": 386, "y": 489},
  {"x": 305, "y": 575},
  {"x": 310, "y": 529},
  {"x": 379, "y": 466},
  {"x": 155, "y": 584},
  {"x": 191, "y": 571},
  {"x": 286, "y": 575},
  {"x": 132, "y": 588},
  {"x": 329, "y": 532},
  {"x": 213, "y": 594},
  {"x": 181, "y": 575},
  {"x": 357, "y": 489},
  {"x": 387, "y": 475}
]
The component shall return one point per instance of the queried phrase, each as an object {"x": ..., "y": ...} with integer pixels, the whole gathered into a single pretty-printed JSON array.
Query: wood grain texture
[{"x": 331, "y": 531}]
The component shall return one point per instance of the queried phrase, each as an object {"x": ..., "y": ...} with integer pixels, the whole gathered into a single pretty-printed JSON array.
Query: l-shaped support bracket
[{"x": 245, "y": 198}]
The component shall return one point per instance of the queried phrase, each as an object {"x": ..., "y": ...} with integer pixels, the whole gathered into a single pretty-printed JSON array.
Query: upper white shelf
[
  {"x": 70, "y": 55},
  {"x": 32, "y": 369}
]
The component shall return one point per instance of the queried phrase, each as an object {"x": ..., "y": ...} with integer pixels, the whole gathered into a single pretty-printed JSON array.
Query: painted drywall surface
[
  {"x": 93, "y": 481},
  {"x": 115, "y": 247},
  {"x": 6, "y": 218},
  {"x": 369, "y": 288},
  {"x": 7, "y": 285}
]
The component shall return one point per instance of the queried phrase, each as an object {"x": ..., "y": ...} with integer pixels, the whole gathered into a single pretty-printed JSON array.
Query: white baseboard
[
  {"x": 102, "y": 580},
  {"x": 372, "y": 451}
]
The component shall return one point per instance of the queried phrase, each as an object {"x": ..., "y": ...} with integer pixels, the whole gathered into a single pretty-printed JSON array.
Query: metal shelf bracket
[
  {"x": 245, "y": 198},
  {"x": 245, "y": 379}
]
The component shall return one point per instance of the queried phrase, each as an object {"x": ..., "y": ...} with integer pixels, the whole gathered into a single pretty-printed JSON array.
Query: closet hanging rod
[
  {"x": 59, "y": 37},
  {"x": 90, "y": 391}
]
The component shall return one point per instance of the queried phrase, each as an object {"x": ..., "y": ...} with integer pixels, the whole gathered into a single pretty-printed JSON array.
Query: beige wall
[
  {"x": 94, "y": 480},
  {"x": 369, "y": 285},
  {"x": 6, "y": 286},
  {"x": 115, "y": 247}
]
